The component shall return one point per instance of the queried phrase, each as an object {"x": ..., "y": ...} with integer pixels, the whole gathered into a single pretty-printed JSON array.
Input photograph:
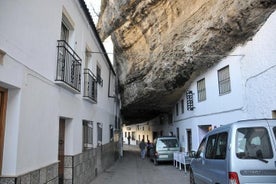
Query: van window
[
  {"x": 168, "y": 143},
  {"x": 274, "y": 130},
  {"x": 201, "y": 148},
  {"x": 216, "y": 146},
  {"x": 253, "y": 143}
]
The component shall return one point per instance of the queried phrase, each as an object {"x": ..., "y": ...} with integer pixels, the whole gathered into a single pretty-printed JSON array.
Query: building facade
[
  {"x": 241, "y": 86},
  {"x": 58, "y": 103},
  {"x": 133, "y": 134}
]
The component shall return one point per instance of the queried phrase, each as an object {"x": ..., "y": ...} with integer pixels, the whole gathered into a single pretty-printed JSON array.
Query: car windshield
[
  {"x": 253, "y": 143},
  {"x": 168, "y": 143}
]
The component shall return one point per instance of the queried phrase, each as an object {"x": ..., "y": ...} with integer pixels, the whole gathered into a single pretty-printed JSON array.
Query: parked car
[
  {"x": 241, "y": 152},
  {"x": 163, "y": 149}
]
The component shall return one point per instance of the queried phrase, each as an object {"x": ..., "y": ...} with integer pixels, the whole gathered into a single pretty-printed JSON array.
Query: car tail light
[{"x": 233, "y": 178}]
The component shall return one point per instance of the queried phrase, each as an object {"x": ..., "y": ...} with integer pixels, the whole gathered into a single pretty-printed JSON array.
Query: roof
[{"x": 93, "y": 27}]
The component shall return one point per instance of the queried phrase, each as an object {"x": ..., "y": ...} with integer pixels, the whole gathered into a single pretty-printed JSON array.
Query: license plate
[{"x": 163, "y": 156}]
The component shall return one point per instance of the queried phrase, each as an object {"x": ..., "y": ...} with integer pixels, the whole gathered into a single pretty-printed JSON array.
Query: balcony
[
  {"x": 90, "y": 86},
  {"x": 68, "y": 67}
]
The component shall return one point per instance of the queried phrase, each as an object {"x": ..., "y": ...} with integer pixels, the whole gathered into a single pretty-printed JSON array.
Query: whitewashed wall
[
  {"x": 28, "y": 35},
  {"x": 252, "y": 71}
]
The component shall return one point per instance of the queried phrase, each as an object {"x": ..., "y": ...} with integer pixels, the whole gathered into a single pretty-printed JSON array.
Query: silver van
[
  {"x": 239, "y": 153},
  {"x": 163, "y": 149}
]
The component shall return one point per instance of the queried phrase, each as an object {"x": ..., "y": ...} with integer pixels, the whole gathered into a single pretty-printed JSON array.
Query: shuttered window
[
  {"x": 201, "y": 90},
  {"x": 224, "y": 80}
]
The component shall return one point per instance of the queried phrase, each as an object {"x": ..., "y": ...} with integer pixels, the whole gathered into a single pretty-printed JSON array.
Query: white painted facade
[
  {"x": 28, "y": 42},
  {"x": 137, "y": 132},
  {"x": 252, "y": 69}
]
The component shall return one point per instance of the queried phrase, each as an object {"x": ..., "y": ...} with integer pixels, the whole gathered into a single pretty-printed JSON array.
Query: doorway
[
  {"x": 3, "y": 108},
  {"x": 61, "y": 141},
  {"x": 189, "y": 139}
]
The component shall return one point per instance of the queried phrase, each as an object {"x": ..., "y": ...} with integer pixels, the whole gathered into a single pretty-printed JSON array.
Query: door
[
  {"x": 61, "y": 141},
  {"x": 189, "y": 139},
  {"x": 3, "y": 108}
]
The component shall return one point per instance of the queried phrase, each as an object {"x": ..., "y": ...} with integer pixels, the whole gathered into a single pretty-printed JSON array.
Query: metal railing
[
  {"x": 68, "y": 66},
  {"x": 90, "y": 85}
]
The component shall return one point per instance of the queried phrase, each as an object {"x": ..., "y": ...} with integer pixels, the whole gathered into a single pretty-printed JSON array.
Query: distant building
[
  {"x": 58, "y": 103},
  {"x": 136, "y": 133},
  {"x": 241, "y": 86}
]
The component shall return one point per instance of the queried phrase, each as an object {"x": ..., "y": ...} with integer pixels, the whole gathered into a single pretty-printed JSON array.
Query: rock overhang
[{"x": 161, "y": 46}]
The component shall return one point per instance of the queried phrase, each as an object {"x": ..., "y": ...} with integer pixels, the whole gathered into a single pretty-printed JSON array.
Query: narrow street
[{"x": 132, "y": 169}]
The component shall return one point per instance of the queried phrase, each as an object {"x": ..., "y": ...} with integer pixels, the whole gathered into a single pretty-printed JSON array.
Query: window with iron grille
[
  {"x": 87, "y": 134},
  {"x": 182, "y": 106},
  {"x": 99, "y": 78},
  {"x": 111, "y": 132},
  {"x": 201, "y": 90},
  {"x": 68, "y": 62},
  {"x": 224, "y": 80},
  {"x": 100, "y": 133}
]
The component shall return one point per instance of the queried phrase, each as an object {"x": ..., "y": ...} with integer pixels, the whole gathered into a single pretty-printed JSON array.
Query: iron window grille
[
  {"x": 87, "y": 134},
  {"x": 99, "y": 78},
  {"x": 190, "y": 102},
  {"x": 90, "y": 85},
  {"x": 68, "y": 66}
]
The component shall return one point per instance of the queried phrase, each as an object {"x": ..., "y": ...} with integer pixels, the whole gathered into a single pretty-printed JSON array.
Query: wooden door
[
  {"x": 3, "y": 108},
  {"x": 61, "y": 141}
]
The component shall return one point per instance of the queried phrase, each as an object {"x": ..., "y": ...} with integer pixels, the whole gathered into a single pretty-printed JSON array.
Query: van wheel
[
  {"x": 155, "y": 162},
  {"x": 192, "y": 179}
]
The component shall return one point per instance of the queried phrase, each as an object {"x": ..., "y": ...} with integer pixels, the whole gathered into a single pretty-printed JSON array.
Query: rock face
[{"x": 161, "y": 45}]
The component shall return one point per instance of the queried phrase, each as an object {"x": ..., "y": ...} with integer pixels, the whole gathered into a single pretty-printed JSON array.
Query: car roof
[{"x": 243, "y": 123}]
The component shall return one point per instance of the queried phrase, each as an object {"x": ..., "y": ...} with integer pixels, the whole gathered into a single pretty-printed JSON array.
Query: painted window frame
[{"x": 224, "y": 82}]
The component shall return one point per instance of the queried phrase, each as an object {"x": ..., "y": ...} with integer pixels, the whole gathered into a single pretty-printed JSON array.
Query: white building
[
  {"x": 58, "y": 107},
  {"x": 136, "y": 132},
  {"x": 241, "y": 86}
]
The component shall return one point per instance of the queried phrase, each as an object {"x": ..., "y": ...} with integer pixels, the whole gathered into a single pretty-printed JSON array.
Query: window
[
  {"x": 99, "y": 78},
  {"x": 182, "y": 106},
  {"x": 253, "y": 143},
  {"x": 217, "y": 146},
  {"x": 87, "y": 134},
  {"x": 176, "y": 109},
  {"x": 68, "y": 62},
  {"x": 201, "y": 148},
  {"x": 111, "y": 132},
  {"x": 100, "y": 132},
  {"x": 64, "y": 35},
  {"x": 224, "y": 80},
  {"x": 133, "y": 135},
  {"x": 201, "y": 91}
]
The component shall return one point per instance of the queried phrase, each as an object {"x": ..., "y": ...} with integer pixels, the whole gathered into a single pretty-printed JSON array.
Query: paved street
[{"x": 132, "y": 169}]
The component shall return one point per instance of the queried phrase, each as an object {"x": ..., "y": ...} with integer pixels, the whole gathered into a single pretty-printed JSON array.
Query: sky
[{"x": 94, "y": 7}]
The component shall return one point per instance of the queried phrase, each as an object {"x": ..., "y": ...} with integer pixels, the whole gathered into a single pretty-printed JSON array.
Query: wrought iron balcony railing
[
  {"x": 90, "y": 85},
  {"x": 68, "y": 66}
]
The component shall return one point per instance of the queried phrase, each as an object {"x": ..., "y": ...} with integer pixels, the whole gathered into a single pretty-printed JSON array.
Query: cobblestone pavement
[{"x": 131, "y": 169}]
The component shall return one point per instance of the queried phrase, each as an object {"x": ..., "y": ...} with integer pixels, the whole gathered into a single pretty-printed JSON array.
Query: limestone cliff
[{"x": 160, "y": 45}]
